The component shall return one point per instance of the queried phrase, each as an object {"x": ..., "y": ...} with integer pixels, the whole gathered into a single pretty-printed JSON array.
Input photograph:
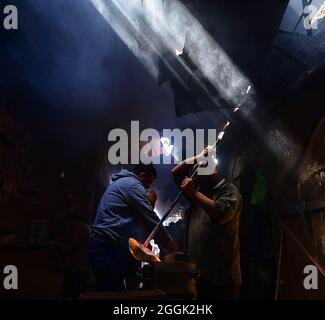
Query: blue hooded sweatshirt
[{"x": 125, "y": 212}]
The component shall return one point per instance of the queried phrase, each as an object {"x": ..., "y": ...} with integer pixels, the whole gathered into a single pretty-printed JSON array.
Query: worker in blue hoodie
[{"x": 124, "y": 212}]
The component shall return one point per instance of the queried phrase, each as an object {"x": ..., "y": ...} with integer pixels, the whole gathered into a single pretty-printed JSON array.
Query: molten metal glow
[{"x": 141, "y": 252}]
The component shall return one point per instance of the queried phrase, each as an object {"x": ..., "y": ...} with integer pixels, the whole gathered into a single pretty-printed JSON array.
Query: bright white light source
[
  {"x": 236, "y": 109},
  {"x": 174, "y": 218},
  {"x": 178, "y": 52},
  {"x": 221, "y": 134},
  {"x": 215, "y": 160},
  {"x": 155, "y": 248},
  {"x": 167, "y": 147},
  {"x": 248, "y": 89},
  {"x": 319, "y": 15}
]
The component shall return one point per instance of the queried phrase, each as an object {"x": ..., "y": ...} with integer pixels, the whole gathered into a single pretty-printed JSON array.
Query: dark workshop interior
[{"x": 75, "y": 70}]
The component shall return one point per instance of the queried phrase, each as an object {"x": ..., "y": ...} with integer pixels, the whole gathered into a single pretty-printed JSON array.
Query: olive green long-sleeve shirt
[
  {"x": 213, "y": 244},
  {"x": 212, "y": 241}
]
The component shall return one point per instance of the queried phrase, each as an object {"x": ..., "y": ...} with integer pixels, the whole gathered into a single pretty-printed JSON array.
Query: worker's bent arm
[
  {"x": 138, "y": 200},
  {"x": 220, "y": 211},
  {"x": 181, "y": 168},
  {"x": 179, "y": 172}
]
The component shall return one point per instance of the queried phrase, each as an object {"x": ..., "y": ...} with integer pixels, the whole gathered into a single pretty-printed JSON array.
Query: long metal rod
[{"x": 165, "y": 216}]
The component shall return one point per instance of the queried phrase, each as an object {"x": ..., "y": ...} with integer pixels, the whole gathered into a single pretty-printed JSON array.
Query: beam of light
[
  {"x": 160, "y": 27},
  {"x": 281, "y": 145},
  {"x": 214, "y": 64},
  {"x": 151, "y": 5},
  {"x": 115, "y": 19},
  {"x": 202, "y": 49},
  {"x": 199, "y": 82},
  {"x": 127, "y": 25}
]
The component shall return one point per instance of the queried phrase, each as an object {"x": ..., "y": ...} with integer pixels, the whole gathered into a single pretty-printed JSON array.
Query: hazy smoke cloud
[{"x": 149, "y": 27}]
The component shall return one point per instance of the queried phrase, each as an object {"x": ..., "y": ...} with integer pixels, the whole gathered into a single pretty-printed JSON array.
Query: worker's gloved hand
[
  {"x": 188, "y": 187},
  {"x": 204, "y": 153}
]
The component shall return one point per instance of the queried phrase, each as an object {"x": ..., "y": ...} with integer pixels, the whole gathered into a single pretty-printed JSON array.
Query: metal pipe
[{"x": 165, "y": 216}]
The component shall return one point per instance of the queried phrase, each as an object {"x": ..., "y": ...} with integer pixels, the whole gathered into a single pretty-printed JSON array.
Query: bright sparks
[{"x": 167, "y": 146}]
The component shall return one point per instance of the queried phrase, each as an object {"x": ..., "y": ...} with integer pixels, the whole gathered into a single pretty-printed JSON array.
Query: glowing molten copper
[{"x": 141, "y": 252}]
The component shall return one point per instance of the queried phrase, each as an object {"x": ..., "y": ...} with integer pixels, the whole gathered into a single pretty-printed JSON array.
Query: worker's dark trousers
[{"x": 112, "y": 265}]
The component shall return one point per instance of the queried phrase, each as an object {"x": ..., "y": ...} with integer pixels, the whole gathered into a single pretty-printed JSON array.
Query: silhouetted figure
[
  {"x": 124, "y": 212},
  {"x": 213, "y": 242}
]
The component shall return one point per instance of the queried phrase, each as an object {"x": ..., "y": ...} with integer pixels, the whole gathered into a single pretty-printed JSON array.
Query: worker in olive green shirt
[{"x": 212, "y": 234}]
